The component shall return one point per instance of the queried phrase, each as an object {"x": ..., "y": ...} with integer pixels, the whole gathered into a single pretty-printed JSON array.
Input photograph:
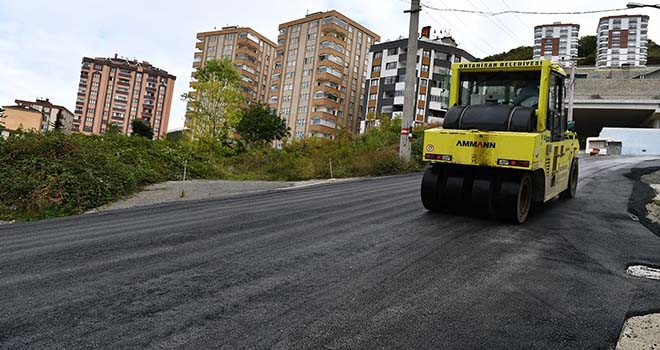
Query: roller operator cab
[{"x": 505, "y": 141}]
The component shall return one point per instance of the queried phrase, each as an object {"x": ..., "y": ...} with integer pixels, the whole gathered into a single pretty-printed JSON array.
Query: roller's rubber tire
[
  {"x": 432, "y": 187},
  {"x": 571, "y": 190},
  {"x": 515, "y": 198},
  {"x": 484, "y": 192},
  {"x": 456, "y": 194}
]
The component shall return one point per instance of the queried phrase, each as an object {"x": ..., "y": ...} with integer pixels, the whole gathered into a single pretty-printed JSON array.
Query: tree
[
  {"x": 587, "y": 49},
  {"x": 113, "y": 129},
  {"x": 653, "y": 58},
  {"x": 142, "y": 128},
  {"x": 58, "y": 126},
  {"x": 215, "y": 106},
  {"x": 259, "y": 126},
  {"x": 2, "y": 116}
]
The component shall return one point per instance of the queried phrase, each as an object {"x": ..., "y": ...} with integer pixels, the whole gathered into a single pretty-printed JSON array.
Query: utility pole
[{"x": 410, "y": 91}]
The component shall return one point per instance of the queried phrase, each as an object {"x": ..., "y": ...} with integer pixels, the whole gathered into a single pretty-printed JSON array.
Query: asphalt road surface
[{"x": 357, "y": 265}]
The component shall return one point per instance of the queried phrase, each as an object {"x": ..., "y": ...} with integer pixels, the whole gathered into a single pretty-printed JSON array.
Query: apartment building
[
  {"x": 118, "y": 90},
  {"x": 318, "y": 76},
  {"x": 23, "y": 118},
  {"x": 557, "y": 41},
  {"x": 622, "y": 41},
  {"x": 251, "y": 51},
  {"x": 52, "y": 116},
  {"x": 387, "y": 69}
]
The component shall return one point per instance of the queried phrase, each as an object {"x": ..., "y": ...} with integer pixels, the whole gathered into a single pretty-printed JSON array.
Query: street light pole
[
  {"x": 571, "y": 91},
  {"x": 410, "y": 90}
]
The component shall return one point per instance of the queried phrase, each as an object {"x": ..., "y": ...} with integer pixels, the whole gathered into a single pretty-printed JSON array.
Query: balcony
[
  {"x": 322, "y": 98},
  {"x": 334, "y": 25},
  {"x": 246, "y": 50},
  {"x": 334, "y": 63},
  {"x": 330, "y": 38},
  {"x": 325, "y": 115},
  {"x": 248, "y": 43},
  {"x": 329, "y": 90},
  {"x": 336, "y": 45},
  {"x": 328, "y": 77},
  {"x": 199, "y": 45},
  {"x": 197, "y": 64},
  {"x": 322, "y": 128}
]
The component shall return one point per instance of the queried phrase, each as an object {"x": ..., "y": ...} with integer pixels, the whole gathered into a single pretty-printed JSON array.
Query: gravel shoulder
[
  {"x": 176, "y": 191},
  {"x": 643, "y": 332},
  {"x": 645, "y": 198}
]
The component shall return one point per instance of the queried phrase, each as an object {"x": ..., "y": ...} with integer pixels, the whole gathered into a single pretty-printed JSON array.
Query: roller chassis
[{"x": 499, "y": 174}]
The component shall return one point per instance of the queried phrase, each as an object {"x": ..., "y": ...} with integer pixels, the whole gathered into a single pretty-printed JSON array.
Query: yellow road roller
[{"x": 505, "y": 142}]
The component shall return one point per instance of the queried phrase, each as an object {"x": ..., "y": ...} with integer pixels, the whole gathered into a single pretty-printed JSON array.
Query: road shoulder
[{"x": 177, "y": 191}]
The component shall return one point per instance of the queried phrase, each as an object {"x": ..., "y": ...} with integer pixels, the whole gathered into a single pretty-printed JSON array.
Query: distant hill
[
  {"x": 586, "y": 49},
  {"x": 519, "y": 53}
]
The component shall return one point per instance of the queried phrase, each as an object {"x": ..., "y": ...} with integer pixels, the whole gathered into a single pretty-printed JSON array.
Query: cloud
[{"x": 42, "y": 42}]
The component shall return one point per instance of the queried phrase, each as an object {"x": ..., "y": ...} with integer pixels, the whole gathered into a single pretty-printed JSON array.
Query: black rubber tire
[
  {"x": 484, "y": 192},
  {"x": 571, "y": 190},
  {"x": 515, "y": 198},
  {"x": 432, "y": 187},
  {"x": 456, "y": 194}
]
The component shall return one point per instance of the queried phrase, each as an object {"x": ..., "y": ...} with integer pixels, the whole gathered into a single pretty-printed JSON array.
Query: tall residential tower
[
  {"x": 622, "y": 41},
  {"x": 556, "y": 42},
  {"x": 387, "y": 70},
  {"x": 320, "y": 67},
  {"x": 117, "y": 90},
  {"x": 251, "y": 52}
]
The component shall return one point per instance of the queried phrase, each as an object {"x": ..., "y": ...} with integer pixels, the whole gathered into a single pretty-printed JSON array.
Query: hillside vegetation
[
  {"x": 586, "y": 49},
  {"x": 54, "y": 174}
]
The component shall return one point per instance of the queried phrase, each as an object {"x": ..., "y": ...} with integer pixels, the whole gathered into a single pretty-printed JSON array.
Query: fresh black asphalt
[{"x": 357, "y": 265}]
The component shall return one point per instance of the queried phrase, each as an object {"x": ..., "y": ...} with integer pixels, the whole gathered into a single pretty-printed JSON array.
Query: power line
[
  {"x": 476, "y": 47},
  {"x": 487, "y": 13},
  {"x": 452, "y": 24},
  {"x": 466, "y": 26},
  {"x": 517, "y": 16},
  {"x": 498, "y": 23}
]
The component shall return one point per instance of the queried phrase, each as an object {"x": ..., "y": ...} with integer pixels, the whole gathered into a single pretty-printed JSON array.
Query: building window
[
  {"x": 311, "y": 36},
  {"x": 393, "y": 51},
  {"x": 389, "y": 80},
  {"x": 308, "y": 60},
  {"x": 374, "y": 82},
  {"x": 392, "y": 65},
  {"x": 375, "y": 69},
  {"x": 373, "y": 96},
  {"x": 378, "y": 54}
]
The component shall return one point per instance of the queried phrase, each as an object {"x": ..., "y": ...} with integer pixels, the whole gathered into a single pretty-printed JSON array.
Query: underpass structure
[{"x": 619, "y": 97}]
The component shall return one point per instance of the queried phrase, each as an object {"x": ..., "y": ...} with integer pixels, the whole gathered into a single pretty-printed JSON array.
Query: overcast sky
[{"x": 42, "y": 42}]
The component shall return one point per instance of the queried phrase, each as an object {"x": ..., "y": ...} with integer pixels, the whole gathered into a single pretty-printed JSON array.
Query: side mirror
[{"x": 571, "y": 126}]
